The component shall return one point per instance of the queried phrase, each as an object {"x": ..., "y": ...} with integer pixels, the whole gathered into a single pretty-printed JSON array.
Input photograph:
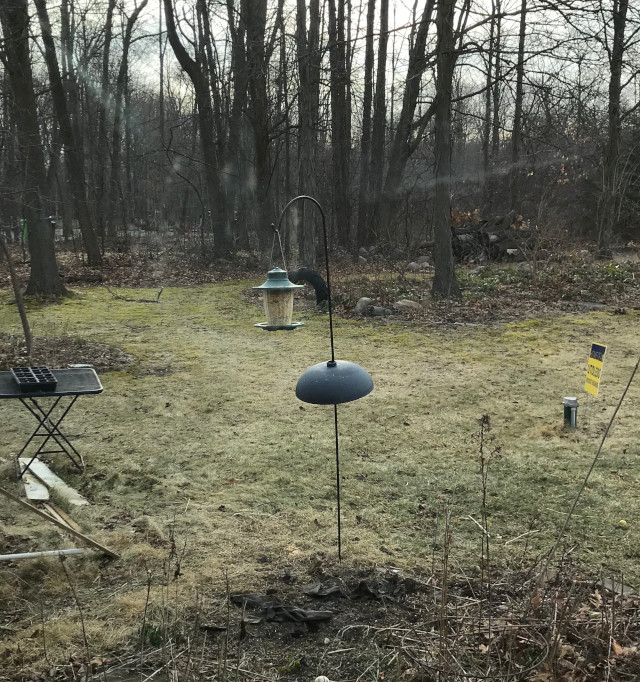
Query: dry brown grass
[{"x": 202, "y": 439}]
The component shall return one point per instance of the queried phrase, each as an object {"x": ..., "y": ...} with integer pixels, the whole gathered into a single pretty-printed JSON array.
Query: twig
[
  {"x": 484, "y": 530},
  {"x": 79, "y": 606},
  {"x": 445, "y": 584},
  {"x": 44, "y": 636},
  {"x": 28, "y": 338},
  {"x": 144, "y": 621},
  {"x": 162, "y": 667},
  {"x": 522, "y": 535}
]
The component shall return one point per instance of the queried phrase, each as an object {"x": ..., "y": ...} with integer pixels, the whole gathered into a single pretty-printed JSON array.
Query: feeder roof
[{"x": 278, "y": 279}]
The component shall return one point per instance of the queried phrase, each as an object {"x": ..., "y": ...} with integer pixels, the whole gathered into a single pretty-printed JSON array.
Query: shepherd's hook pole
[{"x": 332, "y": 362}]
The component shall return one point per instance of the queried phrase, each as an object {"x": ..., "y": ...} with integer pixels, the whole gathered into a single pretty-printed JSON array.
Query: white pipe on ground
[{"x": 35, "y": 555}]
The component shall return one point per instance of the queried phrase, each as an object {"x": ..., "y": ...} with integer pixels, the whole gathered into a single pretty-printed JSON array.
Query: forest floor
[{"x": 210, "y": 479}]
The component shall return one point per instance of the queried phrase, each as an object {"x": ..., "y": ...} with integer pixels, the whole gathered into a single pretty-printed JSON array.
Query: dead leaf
[{"x": 620, "y": 651}]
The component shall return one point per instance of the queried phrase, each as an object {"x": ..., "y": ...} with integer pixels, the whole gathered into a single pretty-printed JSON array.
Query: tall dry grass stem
[{"x": 87, "y": 663}]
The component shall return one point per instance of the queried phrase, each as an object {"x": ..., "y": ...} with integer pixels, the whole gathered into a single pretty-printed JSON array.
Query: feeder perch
[{"x": 277, "y": 297}]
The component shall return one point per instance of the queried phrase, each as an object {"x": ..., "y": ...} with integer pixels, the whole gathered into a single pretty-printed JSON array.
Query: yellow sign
[{"x": 594, "y": 369}]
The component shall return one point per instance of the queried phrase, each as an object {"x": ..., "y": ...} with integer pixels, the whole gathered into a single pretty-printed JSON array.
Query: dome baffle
[{"x": 333, "y": 383}]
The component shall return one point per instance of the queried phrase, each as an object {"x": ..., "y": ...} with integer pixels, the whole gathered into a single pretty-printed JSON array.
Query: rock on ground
[
  {"x": 404, "y": 305},
  {"x": 363, "y": 305}
]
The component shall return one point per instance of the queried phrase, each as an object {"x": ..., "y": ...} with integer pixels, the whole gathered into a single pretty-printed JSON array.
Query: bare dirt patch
[{"x": 60, "y": 352}]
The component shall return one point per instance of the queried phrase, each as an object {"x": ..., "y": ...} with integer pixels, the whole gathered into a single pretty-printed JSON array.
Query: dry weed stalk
[
  {"x": 87, "y": 661},
  {"x": 144, "y": 621},
  {"x": 28, "y": 338},
  {"x": 486, "y": 457}
]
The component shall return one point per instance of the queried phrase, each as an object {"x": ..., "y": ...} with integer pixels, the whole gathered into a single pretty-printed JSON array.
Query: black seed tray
[{"x": 31, "y": 379}]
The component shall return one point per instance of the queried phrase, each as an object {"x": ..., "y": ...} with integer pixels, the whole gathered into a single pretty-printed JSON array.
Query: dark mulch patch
[
  {"x": 383, "y": 625},
  {"x": 61, "y": 351}
]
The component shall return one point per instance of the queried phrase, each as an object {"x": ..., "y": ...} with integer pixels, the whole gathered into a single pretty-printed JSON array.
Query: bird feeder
[{"x": 277, "y": 297}]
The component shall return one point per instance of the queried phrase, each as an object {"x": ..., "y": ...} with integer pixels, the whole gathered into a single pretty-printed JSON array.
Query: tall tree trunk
[
  {"x": 497, "y": 84},
  {"x": 67, "y": 49},
  {"x": 405, "y": 140},
  {"x": 129, "y": 199},
  {"x": 444, "y": 281},
  {"x": 610, "y": 199},
  {"x": 116, "y": 137},
  {"x": 235, "y": 186},
  {"x": 161, "y": 51},
  {"x": 340, "y": 124},
  {"x": 363, "y": 232},
  {"x": 308, "y": 54},
  {"x": 258, "y": 113},
  {"x": 215, "y": 81},
  {"x": 379, "y": 121},
  {"x": 284, "y": 112},
  {"x": 486, "y": 123},
  {"x": 215, "y": 197},
  {"x": 28, "y": 337},
  {"x": 516, "y": 136},
  {"x": 73, "y": 154},
  {"x": 44, "y": 279},
  {"x": 101, "y": 191}
]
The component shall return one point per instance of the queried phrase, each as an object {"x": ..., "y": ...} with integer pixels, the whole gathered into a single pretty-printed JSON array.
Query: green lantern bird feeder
[{"x": 277, "y": 297}]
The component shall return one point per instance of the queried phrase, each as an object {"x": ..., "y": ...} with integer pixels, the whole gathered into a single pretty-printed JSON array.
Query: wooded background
[{"x": 205, "y": 117}]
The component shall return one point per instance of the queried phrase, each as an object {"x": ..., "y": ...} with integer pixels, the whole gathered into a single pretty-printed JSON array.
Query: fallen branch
[
  {"x": 60, "y": 524},
  {"x": 134, "y": 300}
]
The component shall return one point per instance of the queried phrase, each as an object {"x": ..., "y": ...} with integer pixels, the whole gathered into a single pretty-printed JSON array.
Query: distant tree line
[{"x": 207, "y": 116}]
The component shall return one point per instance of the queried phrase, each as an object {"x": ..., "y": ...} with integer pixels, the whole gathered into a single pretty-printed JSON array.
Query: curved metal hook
[{"x": 326, "y": 257}]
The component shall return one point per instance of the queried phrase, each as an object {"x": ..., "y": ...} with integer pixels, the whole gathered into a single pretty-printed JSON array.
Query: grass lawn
[{"x": 199, "y": 455}]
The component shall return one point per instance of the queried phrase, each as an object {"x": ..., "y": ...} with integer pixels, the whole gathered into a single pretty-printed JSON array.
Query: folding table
[{"x": 72, "y": 383}]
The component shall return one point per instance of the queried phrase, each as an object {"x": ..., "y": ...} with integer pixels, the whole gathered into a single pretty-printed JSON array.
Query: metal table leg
[{"x": 51, "y": 427}]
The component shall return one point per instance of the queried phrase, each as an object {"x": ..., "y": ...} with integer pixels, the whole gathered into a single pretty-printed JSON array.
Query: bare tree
[
  {"x": 100, "y": 189},
  {"x": 72, "y": 150},
  {"x": 206, "y": 126},
  {"x": 116, "y": 136},
  {"x": 445, "y": 284},
  {"x": 257, "y": 60},
  {"x": 44, "y": 279},
  {"x": 610, "y": 200},
  {"x": 516, "y": 135},
  {"x": 340, "y": 123},
  {"x": 408, "y": 133},
  {"x": 379, "y": 123},
  {"x": 364, "y": 234},
  {"x": 308, "y": 54}
]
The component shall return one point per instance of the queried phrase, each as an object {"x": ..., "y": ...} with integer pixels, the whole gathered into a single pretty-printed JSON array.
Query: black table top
[{"x": 79, "y": 381}]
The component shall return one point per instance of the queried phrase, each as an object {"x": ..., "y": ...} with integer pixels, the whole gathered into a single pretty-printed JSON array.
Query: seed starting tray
[{"x": 32, "y": 379}]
